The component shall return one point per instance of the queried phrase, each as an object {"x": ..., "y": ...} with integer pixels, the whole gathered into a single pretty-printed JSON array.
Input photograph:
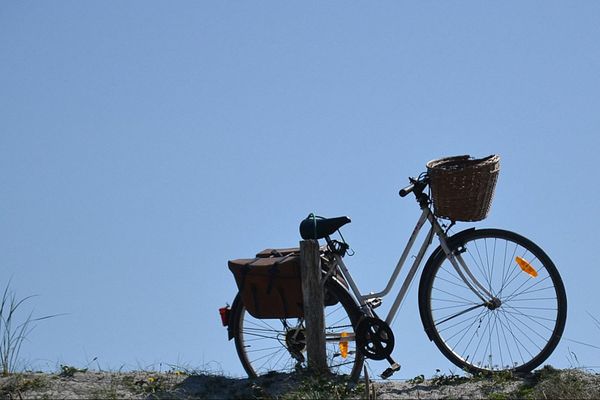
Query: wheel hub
[
  {"x": 494, "y": 303},
  {"x": 295, "y": 341}
]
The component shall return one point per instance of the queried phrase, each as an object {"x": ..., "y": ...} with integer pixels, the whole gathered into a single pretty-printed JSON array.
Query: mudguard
[{"x": 234, "y": 310}]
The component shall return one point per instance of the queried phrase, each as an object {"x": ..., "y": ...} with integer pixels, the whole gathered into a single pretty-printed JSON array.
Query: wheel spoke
[{"x": 458, "y": 314}]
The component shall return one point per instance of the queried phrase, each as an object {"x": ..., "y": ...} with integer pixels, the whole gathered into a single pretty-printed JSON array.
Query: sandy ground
[{"x": 175, "y": 385}]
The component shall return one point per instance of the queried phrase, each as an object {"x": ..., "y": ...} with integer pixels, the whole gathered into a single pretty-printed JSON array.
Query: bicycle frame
[{"x": 455, "y": 259}]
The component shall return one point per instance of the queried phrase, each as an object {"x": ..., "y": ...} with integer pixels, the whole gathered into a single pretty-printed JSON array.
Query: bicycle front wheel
[
  {"x": 518, "y": 327},
  {"x": 279, "y": 345}
]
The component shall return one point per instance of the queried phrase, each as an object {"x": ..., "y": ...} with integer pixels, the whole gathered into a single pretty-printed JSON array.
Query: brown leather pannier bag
[
  {"x": 270, "y": 284},
  {"x": 270, "y": 287}
]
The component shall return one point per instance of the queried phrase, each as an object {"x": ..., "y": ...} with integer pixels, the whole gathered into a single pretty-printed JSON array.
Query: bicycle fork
[{"x": 458, "y": 263}]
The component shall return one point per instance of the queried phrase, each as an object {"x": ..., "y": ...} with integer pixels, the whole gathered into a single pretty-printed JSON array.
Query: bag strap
[
  {"x": 255, "y": 298},
  {"x": 245, "y": 269},
  {"x": 283, "y": 300},
  {"x": 274, "y": 270}
]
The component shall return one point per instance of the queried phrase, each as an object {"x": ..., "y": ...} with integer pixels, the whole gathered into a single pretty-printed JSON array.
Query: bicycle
[{"x": 490, "y": 299}]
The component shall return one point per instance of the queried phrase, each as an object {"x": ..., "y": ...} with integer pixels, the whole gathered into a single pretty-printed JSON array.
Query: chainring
[{"x": 374, "y": 338}]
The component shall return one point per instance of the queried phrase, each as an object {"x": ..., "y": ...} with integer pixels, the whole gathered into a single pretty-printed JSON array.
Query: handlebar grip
[{"x": 407, "y": 190}]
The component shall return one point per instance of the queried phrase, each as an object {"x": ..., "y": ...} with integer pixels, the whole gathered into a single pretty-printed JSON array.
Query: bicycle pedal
[
  {"x": 374, "y": 303},
  {"x": 390, "y": 371}
]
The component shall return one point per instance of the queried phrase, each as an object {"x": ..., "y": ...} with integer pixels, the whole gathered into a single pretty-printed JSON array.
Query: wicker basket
[{"x": 462, "y": 188}]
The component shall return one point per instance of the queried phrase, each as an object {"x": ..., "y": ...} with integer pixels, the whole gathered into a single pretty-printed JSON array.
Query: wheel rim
[{"x": 519, "y": 327}]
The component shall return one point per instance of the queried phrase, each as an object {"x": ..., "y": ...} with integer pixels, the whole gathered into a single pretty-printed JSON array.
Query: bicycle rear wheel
[
  {"x": 279, "y": 345},
  {"x": 519, "y": 327}
]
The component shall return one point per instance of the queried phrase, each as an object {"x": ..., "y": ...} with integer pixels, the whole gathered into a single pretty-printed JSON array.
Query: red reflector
[{"x": 224, "y": 311}]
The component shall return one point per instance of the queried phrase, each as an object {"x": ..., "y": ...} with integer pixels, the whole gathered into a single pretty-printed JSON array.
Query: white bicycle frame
[{"x": 455, "y": 259}]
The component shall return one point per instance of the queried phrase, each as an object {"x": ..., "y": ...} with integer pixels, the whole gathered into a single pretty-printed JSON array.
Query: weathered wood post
[{"x": 314, "y": 318}]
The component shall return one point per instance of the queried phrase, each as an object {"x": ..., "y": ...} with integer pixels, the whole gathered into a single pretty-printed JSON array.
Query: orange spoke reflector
[
  {"x": 526, "y": 267},
  {"x": 344, "y": 345}
]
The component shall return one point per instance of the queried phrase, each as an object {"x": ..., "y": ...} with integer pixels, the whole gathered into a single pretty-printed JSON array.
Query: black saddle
[{"x": 314, "y": 227}]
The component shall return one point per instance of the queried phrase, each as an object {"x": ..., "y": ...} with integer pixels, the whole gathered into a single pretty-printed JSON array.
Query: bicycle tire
[
  {"x": 266, "y": 345},
  {"x": 518, "y": 333}
]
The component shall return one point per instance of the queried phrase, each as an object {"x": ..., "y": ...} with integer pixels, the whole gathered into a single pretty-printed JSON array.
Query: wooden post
[{"x": 312, "y": 291}]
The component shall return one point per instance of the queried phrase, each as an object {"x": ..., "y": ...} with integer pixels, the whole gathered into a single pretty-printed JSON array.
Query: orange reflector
[
  {"x": 344, "y": 345},
  {"x": 526, "y": 267}
]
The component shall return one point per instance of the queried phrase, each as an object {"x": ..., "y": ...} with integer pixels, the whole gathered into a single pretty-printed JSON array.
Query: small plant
[
  {"x": 417, "y": 380},
  {"x": 153, "y": 385},
  {"x": 497, "y": 377},
  {"x": 561, "y": 384},
  {"x": 551, "y": 383},
  {"x": 504, "y": 376},
  {"x": 67, "y": 371},
  {"x": 13, "y": 332},
  {"x": 450, "y": 379}
]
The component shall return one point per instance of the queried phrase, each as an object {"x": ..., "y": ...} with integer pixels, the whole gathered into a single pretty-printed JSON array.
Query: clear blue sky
[{"x": 145, "y": 143}]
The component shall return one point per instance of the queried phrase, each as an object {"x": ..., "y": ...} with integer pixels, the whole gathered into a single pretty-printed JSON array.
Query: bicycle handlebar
[
  {"x": 407, "y": 190},
  {"x": 418, "y": 184}
]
